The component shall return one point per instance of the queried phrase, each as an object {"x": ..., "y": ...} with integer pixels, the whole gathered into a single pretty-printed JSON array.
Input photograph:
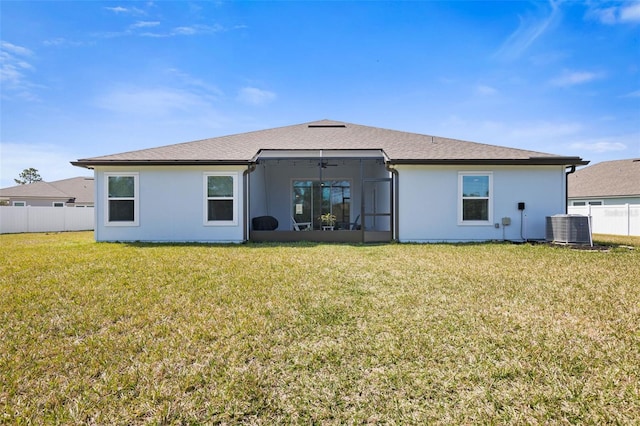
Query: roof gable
[
  {"x": 619, "y": 178},
  {"x": 399, "y": 147}
]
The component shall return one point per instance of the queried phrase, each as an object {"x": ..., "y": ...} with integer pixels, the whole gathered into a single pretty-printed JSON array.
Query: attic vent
[{"x": 311, "y": 126}]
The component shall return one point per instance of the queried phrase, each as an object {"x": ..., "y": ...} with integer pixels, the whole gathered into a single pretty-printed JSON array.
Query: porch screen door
[{"x": 377, "y": 202}]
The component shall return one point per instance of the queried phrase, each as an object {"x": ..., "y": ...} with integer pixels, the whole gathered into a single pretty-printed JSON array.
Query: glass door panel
[{"x": 313, "y": 198}]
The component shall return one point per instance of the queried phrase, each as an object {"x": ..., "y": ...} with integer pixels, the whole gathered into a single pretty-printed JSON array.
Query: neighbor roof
[
  {"x": 80, "y": 188},
  {"x": 619, "y": 178},
  {"x": 399, "y": 147}
]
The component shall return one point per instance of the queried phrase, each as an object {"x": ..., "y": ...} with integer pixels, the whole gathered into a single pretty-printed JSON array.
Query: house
[
  {"x": 73, "y": 192},
  {"x": 377, "y": 184},
  {"x": 608, "y": 183}
]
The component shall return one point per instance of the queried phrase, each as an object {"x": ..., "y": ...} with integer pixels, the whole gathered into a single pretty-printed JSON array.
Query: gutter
[
  {"x": 394, "y": 198},
  {"x": 245, "y": 201},
  {"x": 572, "y": 169},
  {"x": 89, "y": 164},
  {"x": 532, "y": 161}
]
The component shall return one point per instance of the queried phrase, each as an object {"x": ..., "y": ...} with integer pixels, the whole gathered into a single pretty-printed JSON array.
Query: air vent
[
  {"x": 313, "y": 126},
  {"x": 568, "y": 229}
]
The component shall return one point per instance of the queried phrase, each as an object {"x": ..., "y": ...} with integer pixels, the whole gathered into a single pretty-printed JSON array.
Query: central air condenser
[{"x": 568, "y": 229}]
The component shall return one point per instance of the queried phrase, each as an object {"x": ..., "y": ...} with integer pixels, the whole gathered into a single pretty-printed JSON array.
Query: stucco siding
[
  {"x": 429, "y": 202},
  {"x": 171, "y": 206}
]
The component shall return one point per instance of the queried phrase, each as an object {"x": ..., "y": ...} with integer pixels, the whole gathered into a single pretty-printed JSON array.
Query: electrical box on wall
[
  {"x": 521, "y": 206},
  {"x": 506, "y": 221}
]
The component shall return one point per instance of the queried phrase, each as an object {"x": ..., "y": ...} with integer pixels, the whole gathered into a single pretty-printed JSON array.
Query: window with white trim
[
  {"x": 220, "y": 198},
  {"x": 58, "y": 204},
  {"x": 475, "y": 202},
  {"x": 121, "y": 207},
  {"x": 19, "y": 204}
]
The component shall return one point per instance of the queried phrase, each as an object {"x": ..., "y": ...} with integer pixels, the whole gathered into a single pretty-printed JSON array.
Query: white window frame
[
  {"x": 19, "y": 204},
  {"x": 57, "y": 204},
  {"x": 206, "y": 198},
  {"x": 135, "y": 198},
  {"x": 489, "y": 221}
]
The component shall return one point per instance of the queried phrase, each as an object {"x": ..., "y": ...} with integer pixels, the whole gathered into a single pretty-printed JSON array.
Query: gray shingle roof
[
  {"x": 619, "y": 178},
  {"x": 80, "y": 188},
  {"x": 400, "y": 147}
]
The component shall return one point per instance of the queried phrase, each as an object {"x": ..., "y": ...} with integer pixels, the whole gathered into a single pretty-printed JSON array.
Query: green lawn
[{"x": 329, "y": 334}]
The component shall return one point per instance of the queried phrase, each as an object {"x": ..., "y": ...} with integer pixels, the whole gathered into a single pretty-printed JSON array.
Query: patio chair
[
  {"x": 301, "y": 226},
  {"x": 354, "y": 225}
]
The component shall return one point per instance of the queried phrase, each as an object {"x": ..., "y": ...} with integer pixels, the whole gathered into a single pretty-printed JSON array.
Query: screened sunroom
[{"x": 320, "y": 195}]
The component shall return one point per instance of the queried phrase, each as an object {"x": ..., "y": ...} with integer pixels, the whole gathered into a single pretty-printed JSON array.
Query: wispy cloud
[
  {"x": 485, "y": 90},
  {"x": 63, "y": 42},
  {"x": 572, "y": 78},
  {"x": 196, "y": 85},
  {"x": 145, "y": 24},
  {"x": 125, "y": 10},
  {"x": 14, "y": 71},
  {"x": 635, "y": 94},
  {"x": 143, "y": 29},
  {"x": 191, "y": 30},
  {"x": 624, "y": 13},
  {"x": 598, "y": 145},
  {"x": 530, "y": 29},
  {"x": 255, "y": 96},
  {"x": 545, "y": 130},
  {"x": 151, "y": 101}
]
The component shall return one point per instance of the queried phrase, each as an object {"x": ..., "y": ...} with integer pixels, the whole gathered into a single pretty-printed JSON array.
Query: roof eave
[
  {"x": 532, "y": 161},
  {"x": 90, "y": 164}
]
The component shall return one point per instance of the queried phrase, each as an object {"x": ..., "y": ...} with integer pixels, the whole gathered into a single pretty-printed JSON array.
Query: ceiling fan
[{"x": 325, "y": 163}]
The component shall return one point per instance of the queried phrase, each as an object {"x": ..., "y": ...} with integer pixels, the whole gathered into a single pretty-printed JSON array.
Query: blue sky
[{"x": 88, "y": 78}]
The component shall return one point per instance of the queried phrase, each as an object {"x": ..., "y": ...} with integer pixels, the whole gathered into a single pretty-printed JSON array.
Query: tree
[{"x": 29, "y": 175}]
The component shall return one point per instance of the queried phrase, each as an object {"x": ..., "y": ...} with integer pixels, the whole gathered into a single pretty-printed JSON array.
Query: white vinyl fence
[
  {"x": 45, "y": 219},
  {"x": 614, "y": 220}
]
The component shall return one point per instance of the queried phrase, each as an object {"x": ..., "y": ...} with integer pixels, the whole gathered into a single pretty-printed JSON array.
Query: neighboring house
[
  {"x": 379, "y": 185},
  {"x": 73, "y": 192},
  {"x": 608, "y": 183}
]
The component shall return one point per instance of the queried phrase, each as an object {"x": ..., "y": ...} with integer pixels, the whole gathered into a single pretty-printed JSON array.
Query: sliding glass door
[{"x": 314, "y": 198}]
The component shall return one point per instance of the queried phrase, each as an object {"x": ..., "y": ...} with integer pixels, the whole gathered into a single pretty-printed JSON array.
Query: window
[
  {"x": 584, "y": 203},
  {"x": 58, "y": 204},
  {"x": 221, "y": 198},
  {"x": 122, "y": 199},
  {"x": 475, "y": 203},
  {"x": 19, "y": 204}
]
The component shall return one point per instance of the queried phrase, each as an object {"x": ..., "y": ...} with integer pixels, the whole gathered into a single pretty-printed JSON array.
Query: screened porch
[{"x": 320, "y": 195}]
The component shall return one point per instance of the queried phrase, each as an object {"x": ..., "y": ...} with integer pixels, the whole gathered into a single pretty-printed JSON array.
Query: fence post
[{"x": 628, "y": 219}]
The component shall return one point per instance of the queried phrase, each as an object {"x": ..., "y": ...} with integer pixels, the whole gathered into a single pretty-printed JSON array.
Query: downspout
[
  {"x": 566, "y": 188},
  {"x": 245, "y": 201},
  {"x": 394, "y": 197}
]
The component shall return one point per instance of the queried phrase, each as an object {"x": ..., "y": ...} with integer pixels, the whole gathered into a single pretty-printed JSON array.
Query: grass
[{"x": 103, "y": 333}]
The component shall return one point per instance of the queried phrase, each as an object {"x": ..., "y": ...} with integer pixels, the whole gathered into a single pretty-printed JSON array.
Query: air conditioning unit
[{"x": 568, "y": 229}]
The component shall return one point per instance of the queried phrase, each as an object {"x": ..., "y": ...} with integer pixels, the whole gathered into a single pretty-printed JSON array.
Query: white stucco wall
[
  {"x": 171, "y": 206},
  {"x": 428, "y": 202}
]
